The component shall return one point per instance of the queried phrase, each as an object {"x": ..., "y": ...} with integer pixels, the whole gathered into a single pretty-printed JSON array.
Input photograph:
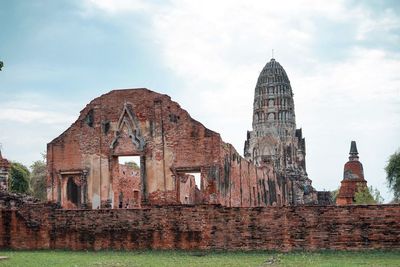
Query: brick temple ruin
[
  {"x": 84, "y": 170},
  {"x": 263, "y": 201}
]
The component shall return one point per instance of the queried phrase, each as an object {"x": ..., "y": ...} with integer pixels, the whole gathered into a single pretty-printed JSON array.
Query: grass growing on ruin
[{"x": 182, "y": 258}]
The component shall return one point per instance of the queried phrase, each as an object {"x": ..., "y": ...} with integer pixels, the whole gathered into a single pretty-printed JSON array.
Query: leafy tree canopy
[
  {"x": 393, "y": 175},
  {"x": 334, "y": 194},
  {"x": 132, "y": 164},
  {"x": 367, "y": 195},
  {"x": 38, "y": 179},
  {"x": 19, "y": 178}
]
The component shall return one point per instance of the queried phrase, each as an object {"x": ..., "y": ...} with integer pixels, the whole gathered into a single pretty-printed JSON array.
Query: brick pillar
[
  {"x": 84, "y": 190},
  {"x": 143, "y": 180},
  {"x": 158, "y": 152},
  {"x": 59, "y": 189}
]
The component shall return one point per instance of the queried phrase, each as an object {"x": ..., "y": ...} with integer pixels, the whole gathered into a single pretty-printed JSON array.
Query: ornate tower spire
[
  {"x": 274, "y": 141},
  {"x": 273, "y": 111}
]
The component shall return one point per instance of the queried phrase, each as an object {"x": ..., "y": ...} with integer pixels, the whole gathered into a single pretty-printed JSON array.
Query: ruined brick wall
[
  {"x": 187, "y": 189},
  {"x": 131, "y": 122},
  {"x": 126, "y": 186},
  {"x": 205, "y": 227},
  {"x": 325, "y": 198},
  {"x": 139, "y": 122}
]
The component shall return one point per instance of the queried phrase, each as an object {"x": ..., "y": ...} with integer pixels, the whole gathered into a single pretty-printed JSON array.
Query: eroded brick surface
[
  {"x": 83, "y": 169},
  {"x": 127, "y": 187},
  {"x": 208, "y": 227}
]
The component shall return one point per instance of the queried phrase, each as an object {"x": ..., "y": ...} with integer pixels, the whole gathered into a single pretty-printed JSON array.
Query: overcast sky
[{"x": 342, "y": 58}]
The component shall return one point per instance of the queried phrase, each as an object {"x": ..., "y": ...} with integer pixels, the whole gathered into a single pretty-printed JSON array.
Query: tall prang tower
[{"x": 274, "y": 139}]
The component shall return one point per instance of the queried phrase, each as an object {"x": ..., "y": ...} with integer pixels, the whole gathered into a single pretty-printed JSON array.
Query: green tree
[
  {"x": 334, "y": 195},
  {"x": 377, "y": 195},
  {"x": 132, "y": 165},
  {"x": 393, "y": 175},
  {"x": 367, "y": 195},
  {"x": 19, "y": 178},
  {"x": 38, "y": 179}
]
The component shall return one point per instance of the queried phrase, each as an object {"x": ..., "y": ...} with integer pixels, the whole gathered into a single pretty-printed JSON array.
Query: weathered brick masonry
[
  {"x": 40, "y": 226},
  {"x": 84, "y": 171}
]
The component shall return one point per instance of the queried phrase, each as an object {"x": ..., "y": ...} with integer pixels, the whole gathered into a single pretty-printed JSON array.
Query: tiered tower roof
[{"x": 273, "y": 108}]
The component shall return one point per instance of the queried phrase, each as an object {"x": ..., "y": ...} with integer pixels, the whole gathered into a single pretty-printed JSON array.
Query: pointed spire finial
[
  {"x": 353, "y": 148},
  {"x": 272, "y": 53},
  {"x": 353, "y": 151}
]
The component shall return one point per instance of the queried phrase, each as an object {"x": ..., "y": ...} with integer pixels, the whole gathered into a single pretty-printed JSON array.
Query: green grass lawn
[{"x": 189, "y": 258}]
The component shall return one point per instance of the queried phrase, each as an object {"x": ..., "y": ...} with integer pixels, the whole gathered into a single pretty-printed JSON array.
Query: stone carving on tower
[{"x": 274, "y": 139}]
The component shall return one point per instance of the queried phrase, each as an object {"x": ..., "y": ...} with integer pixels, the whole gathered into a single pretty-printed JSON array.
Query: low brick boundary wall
[{"x": 39, "y": 226}]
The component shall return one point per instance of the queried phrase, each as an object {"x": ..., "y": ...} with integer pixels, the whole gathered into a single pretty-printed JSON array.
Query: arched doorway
[{"x": 73, "y": 191}]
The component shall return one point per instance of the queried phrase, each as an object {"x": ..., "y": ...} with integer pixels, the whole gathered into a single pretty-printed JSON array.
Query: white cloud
[
  {"x": 36, "y": 108},
  {"x": 113, "y": 7},
  {"x": 29, "y": 121},
  {"x": 370, "y": 25},
  {"x": 33, "y": 116},
  {"x": 218, "y": 48}
]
